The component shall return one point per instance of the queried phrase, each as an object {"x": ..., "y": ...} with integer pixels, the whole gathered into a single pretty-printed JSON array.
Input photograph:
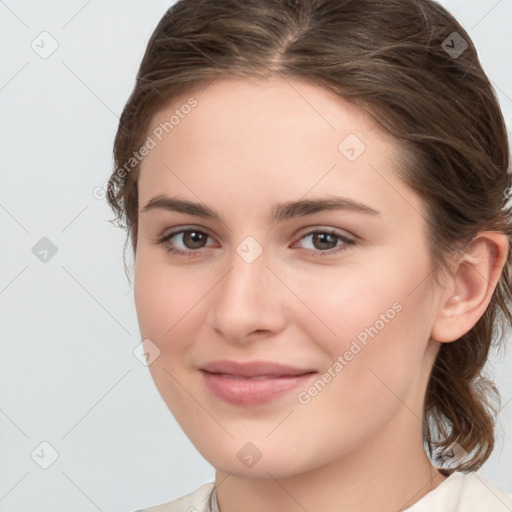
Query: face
[{"x": 283, "y": 279}]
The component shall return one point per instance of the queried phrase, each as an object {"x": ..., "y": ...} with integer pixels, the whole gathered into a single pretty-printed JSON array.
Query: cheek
[
  {"x": 341, "y": 302},
  {"x": 170, "y": 309},
  {"x": 163, "y": 296},
  {"x": 164, "y": 300},
  {"x": 375, "y": 313}
]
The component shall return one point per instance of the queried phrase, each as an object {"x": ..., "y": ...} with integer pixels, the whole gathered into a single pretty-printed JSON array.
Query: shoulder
[
  {"x": 197, "y": 501},
  {"x": 465, "y": 492},
  {"x": 479, "y": 492}
]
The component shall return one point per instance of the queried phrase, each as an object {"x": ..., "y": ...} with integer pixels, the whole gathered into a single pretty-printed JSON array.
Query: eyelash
[{"x": 347, "y": 243}]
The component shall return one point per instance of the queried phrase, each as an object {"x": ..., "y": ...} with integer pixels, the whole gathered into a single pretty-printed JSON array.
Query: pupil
[
  {"x": 323, "y": 239},
  {"x": 195, "y": 239}
]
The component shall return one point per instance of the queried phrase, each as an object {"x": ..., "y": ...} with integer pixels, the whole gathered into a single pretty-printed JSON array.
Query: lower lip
[{"x": 242, "y": 391}]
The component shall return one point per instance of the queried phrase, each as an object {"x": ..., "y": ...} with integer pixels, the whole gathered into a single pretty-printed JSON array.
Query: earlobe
[{"x": 472, "y": 284}]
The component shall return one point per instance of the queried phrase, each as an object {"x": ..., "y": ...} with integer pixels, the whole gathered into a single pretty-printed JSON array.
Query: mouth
[{"x": 252, "y": 383}]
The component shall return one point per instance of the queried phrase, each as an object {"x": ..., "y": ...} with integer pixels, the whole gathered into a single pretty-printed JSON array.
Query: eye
[
  {"x": 325, "y": 242},
  {"x": 192, "y": 240},
  {"x": 322, "y": 242}
]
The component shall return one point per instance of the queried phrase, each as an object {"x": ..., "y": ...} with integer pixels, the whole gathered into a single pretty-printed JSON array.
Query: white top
[{"x": 460, "y": 492}]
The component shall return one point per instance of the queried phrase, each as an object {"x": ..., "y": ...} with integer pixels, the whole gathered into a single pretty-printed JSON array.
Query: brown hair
[{"x": 415, "y": 69}]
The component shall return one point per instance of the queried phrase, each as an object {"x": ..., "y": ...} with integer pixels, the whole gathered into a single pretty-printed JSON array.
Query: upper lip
[{"x": 253, "y": 369}]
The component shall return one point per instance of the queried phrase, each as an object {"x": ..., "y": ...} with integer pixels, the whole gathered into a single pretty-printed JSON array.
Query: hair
[{"x": 395, "y": 59}]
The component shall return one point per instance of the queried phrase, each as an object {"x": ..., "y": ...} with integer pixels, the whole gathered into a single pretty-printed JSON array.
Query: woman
[{"x": 316, "y": 196}]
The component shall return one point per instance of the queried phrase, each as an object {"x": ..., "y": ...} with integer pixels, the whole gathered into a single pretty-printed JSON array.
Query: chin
[
  {"x": 278, "y": 466},
  {"x": 259, "y": 459}
]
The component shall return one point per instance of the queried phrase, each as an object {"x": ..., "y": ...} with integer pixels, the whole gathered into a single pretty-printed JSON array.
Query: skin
[{"x": 357, "y": 444}]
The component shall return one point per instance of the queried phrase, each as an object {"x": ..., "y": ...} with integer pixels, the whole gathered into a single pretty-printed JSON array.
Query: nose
[{"x": 248, "y": 302}]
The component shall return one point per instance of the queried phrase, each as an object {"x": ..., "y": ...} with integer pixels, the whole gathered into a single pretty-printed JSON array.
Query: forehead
[
  {"x": 291, "y": 107},
  {"x": 277, "y": 138}
]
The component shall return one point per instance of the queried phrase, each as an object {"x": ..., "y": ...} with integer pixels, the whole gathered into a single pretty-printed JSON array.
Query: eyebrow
[{"x": 281, "y": 211}]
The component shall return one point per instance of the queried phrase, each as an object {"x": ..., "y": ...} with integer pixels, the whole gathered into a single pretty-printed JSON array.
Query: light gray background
[{"x": 68, "y": 327}]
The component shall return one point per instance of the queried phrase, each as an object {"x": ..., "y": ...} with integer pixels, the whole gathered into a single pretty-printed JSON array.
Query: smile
[{"x": 252, "y": 383}]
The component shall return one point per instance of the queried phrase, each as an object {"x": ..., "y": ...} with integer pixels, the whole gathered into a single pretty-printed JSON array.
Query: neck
[{"x": 390, "y": 473}]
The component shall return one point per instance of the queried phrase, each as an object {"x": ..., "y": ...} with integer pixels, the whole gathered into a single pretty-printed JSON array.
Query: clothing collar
[{"x": 214, "y": 506}]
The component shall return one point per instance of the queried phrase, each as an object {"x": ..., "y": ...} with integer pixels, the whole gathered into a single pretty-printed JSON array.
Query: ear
[{"x": 470, "y": 287}]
